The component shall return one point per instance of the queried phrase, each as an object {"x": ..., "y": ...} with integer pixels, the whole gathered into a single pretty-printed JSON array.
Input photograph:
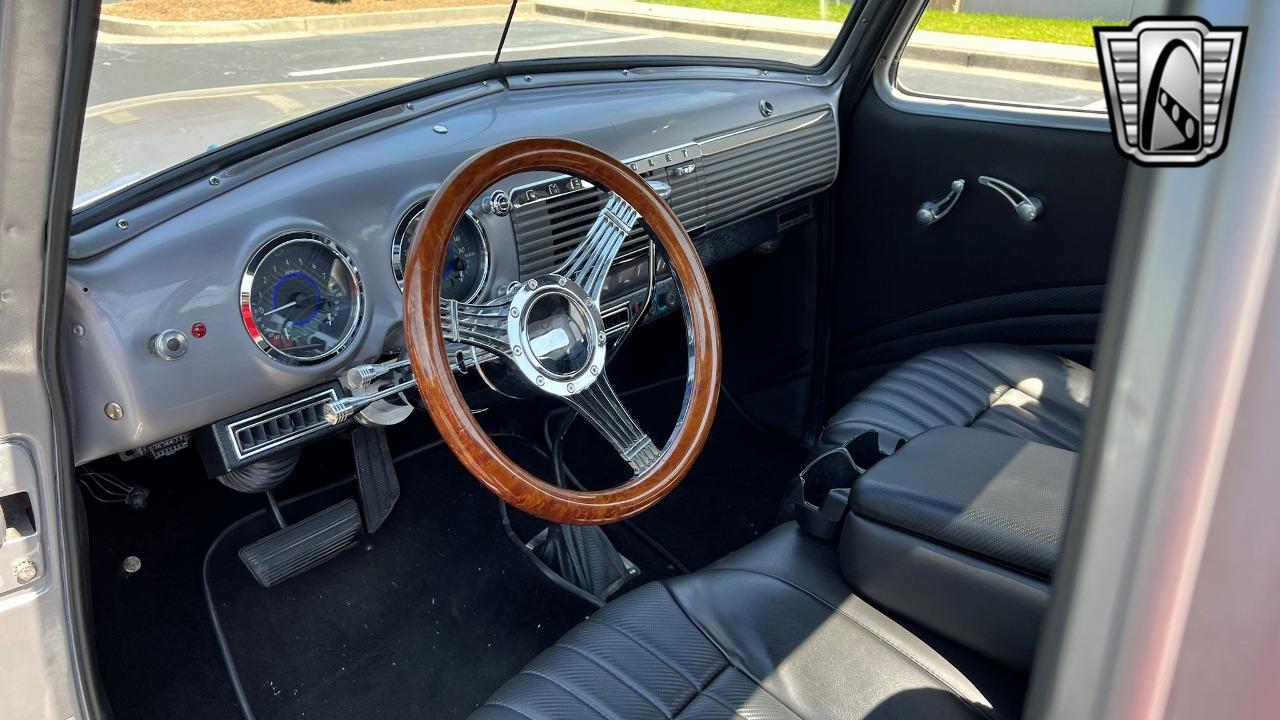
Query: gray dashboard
[{"x": 179, "y": 260}]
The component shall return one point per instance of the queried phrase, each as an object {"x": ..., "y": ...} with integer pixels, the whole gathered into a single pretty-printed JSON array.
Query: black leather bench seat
[
  {"x": 771, "y": 631},
  {"x": 1016, "y": 391},
  {"x": 960, "y": 547},
  {"x": 959, "y": 529}
]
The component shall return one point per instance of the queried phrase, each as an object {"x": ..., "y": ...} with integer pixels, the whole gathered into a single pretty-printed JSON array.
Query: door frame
[
  {"x": 46, "y": 51},
  {"x": 1171, "y": 533}
]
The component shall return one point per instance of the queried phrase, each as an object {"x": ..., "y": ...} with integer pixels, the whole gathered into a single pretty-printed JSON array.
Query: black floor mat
[{"x": 423, "y": 619}]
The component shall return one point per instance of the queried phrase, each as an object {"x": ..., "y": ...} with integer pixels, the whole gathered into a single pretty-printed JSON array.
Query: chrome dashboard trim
[
  {"x": 762, "y": 131},
  {"x": 276, "y": 242},
  {"x": 683, "y": 154}
]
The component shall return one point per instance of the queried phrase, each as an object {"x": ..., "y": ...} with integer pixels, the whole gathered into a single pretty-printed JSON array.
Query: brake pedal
[
  {"x": 375, "y": 475},
  {"x": 303, "y": 545}
]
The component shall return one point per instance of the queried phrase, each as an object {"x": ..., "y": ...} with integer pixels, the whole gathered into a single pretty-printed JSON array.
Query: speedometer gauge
[
  {"x": 300, "y": 298},
  {"x": 465, "y": 269}
]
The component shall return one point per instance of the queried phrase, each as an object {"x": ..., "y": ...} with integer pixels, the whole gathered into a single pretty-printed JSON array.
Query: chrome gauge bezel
[
  {"x": 407, "y": 221},
  {"x": 299, "y": 237}
]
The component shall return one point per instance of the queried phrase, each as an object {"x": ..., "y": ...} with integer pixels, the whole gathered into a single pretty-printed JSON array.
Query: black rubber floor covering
[
  {"x": 439, "y": 611},
  {"x": 422, "y": 620}
]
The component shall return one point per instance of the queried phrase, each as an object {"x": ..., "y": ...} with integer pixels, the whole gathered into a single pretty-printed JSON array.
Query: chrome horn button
[
  {"x": 557, "y": 329},
  {"x": 556, "y": 334}
]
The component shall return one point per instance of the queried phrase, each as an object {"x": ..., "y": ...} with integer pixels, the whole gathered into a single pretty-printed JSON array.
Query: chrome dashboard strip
[
  {"x": 560, "y": 185},
  {"x": 762, "y": 131}
]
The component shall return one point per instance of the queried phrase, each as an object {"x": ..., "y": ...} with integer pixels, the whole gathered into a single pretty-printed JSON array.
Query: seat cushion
[
  {"x": 1017, "y": 391},
  {"x": 771, "y": 631}
]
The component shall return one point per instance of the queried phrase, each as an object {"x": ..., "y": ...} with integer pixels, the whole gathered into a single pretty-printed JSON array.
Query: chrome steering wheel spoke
[
  {"x": 481, "y": 325},
  {"x": 589, "y": 263},
  {"x": 600, "y": 405}
]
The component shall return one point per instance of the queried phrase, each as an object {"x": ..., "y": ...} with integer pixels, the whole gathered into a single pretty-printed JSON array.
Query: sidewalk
[
  {"x": 293, "y": 27},
  {"x": 719, "y": 24},
  {"x": 1065, "y": 61},
  {"x": 1051, "y": 59}
]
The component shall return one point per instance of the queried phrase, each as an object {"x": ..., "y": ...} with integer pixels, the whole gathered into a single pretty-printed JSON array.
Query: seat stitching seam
[
  {"x": 572, "y": 693},
  {"x": 911, "y": 658},
  {"x": 733, "y": 710},
  {"x": 920, "y": 399},
  {"x": 1047, "y": 417},
  {"x": 941, "y": 379},
  {"x": 729, "y": 661},
  {"x": 701, "y": 690},
  {"x": 1055, "y": 403},
  {"x": 634, "y": 686},
  {"x": 688, "y": 678},
  {"x": 521, "y": 713},
  {"x": 885, "y": 393},
  {"x": 1040, "y": 432},
  {"x": 1043, "y": 433},
  {"x": 1009, "y": 379},
  {"x": 503, "y": 705},
  {"x": 884, "y": 405},
  {"x": 967, "y": 374},
  {"x": 957, "y": 378}
]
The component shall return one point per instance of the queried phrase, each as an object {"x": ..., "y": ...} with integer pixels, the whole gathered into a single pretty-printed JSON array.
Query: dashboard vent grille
[
  {"x": 548, "y": 230},
  {"x": 281, "y": 425},
  {"x": 755, "y": 169}
]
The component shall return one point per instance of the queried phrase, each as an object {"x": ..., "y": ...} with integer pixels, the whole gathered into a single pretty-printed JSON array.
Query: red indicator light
[{"x": 198, "y": 330}]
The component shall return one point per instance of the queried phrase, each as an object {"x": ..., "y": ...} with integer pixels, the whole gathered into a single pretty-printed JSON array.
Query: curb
[
  {"x": 998, "y": 61},
  {"x": 686, "y": 26},
  {"x": 232, "y": 30}
]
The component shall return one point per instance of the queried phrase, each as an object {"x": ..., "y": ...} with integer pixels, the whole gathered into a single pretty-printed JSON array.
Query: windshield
[{"x": 172, "y": 81}]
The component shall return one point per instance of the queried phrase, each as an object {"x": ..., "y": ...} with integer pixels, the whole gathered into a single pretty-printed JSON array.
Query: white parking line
[{"x": 474, "y": 53}]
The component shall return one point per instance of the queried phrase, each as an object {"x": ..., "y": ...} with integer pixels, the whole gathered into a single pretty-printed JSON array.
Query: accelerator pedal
[
  {"x": 375, "y": 475},
  {"x": 303, "y": 545}
]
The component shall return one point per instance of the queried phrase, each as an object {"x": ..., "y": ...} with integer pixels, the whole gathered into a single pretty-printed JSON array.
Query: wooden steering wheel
[{"x": 549, "y": 331}]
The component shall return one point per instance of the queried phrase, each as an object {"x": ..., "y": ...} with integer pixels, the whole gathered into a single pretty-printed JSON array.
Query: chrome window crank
[
  {"x": 931, "y": 212},
  {"x": 1027, "y": 207}
]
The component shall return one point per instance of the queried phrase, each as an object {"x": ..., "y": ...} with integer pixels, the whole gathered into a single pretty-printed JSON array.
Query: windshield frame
[{"x": 206, "y": 165}]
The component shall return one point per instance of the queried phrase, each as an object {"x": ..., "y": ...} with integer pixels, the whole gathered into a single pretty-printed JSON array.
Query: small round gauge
[
  {"x": 301, "y": 298},
  {"x": 465, "y": 269}
]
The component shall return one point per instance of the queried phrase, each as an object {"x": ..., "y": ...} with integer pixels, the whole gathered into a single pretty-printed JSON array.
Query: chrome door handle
[
  {"x": 931, "y": 212},
  {"x": 1027, "y": 207}
]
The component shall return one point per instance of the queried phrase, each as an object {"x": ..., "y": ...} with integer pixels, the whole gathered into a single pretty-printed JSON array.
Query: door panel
[{"x": 980, "y": 274}]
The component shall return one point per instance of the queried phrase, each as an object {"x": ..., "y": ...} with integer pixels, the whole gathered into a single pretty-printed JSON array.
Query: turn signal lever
[
  {"x": 361, "y": 375},
  {"x": 340, "y": 411}
]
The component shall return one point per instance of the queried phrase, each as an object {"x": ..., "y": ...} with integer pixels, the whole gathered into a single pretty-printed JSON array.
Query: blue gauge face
[
  {"x": 303, "y": 300},
  {"x": 465, "y": 266}
]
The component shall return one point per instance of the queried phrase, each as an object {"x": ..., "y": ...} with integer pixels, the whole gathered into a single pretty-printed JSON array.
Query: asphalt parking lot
[{"x": 124, "y": 69}]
